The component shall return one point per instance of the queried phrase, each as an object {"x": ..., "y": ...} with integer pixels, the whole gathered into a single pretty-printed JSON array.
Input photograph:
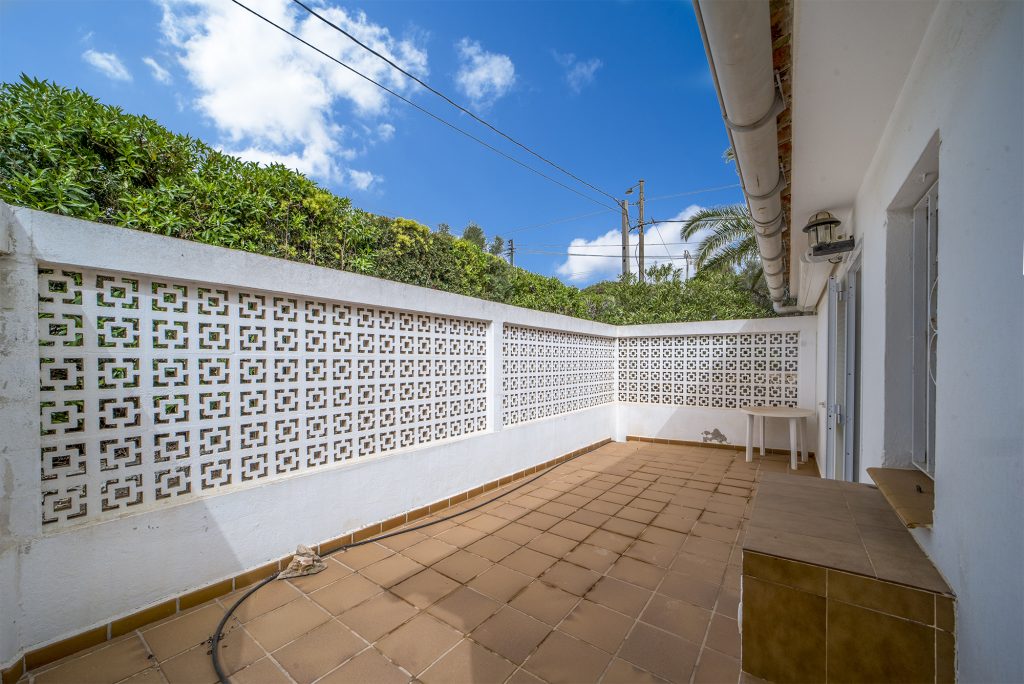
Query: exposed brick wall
[{"x": 782, "y": 58}]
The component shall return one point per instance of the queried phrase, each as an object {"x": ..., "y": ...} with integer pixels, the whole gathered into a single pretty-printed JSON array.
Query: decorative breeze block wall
[
  {"x": 154, "y": 390},
  {"x": 548, "y": 372},
  {"x": 716, "y": 371}
]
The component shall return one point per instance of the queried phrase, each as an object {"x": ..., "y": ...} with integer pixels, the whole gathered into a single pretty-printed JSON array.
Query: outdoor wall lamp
[{"x": 827, "y": 243}]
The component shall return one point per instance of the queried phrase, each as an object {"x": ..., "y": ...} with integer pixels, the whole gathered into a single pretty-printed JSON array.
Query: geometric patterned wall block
[
  {"x": 547, "y": 372},
  {"x": 717, "y": 371},
  {"x": 153, "y": 390}
]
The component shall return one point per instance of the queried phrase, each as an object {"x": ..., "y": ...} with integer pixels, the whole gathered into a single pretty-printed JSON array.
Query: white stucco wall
[{"x": 965, "y": 83}]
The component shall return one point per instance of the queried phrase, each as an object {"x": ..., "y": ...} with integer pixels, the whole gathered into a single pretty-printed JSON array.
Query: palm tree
[{"x": 730, "y": 245}]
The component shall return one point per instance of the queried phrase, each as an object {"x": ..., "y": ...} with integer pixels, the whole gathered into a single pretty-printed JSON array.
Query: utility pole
[
  {"x": 686, "y": 255},
  {"x": 624, "y": 204},
  {"x": 511, "y": 252},
  {"x": 640, "y": 229}
]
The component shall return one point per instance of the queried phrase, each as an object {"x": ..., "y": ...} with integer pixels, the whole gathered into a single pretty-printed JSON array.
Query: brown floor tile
[
  {"x": 626, "y": 528},
  {"x": 360, "y": 556},
  {"x": 509, "y": 511},
  {"x": 418, "y": 643},
  {"x": 195, "y": 666},
  {"x": 263, "y": 671},
  {"x": 597, "y": 625},
  {"x": 429, "y": 551},
  {"x": 672, "y": 522},
  {"x": 586, "y": 517},
  {"x": 374, "y": 618},
  {"x": 637, "y": 572},
  {"x": 462, "y": 566},
  {"x": 715, "y": 668},
  {"x": 724, "y": 636},
  {"x": 637, "y": 515},
  {"x": 528, "y": 562},
  {"x": 690, "y": 589},
  {"x": 153, "y": 676},
  {"x": 344, "y": 594},
  {"x": 620, "y": 596},
  {"x": 108, "y": 663},
  {"x": 538, "y": 520},
  {"x": 571, "y": 578},
  {"x": 722, "y": 534},
  {"x": 391, "y": 571},
  {"x": 281, "y": 625},
  {"x": 486, "y": 523},
  {"x": 603, "y": 507},
  {"x": 492, "y": 548},
  {"x": 654, "y": 554},
  {"x": 562, "y": 659},
  {"x": 511, "y": 634},
  {"x": 706, "y": 569},
  {"x": 708, "y": 548},
  {"x": 678, "y": 617},
  {"x": 592, "y": 557},
  {"x": 544, "y": 602},
  {"x": 425, "y": 588},
  {"x": 369, "y": 666},
  {"x": 728, "y": 604},
  {"x": 659, "y": 652},
  {"x": 622, "y": 672},
  {"x": 170, "y": 638},
  {"x": 519, "y": 534},
  {"x": 266, "y": 598},
  {"x": 460, "y": 536},
  {"x": 521, "y": 676},
  {"x": 333, "y": 572},
  {"x": 572, "y": 530},
  {"x": 609, "y": 540},
  {"x": 318, "y": 651},
  {"x": 404, "y": 540},
  {"x": 551, "y": 544},
  {"x": 471, "y": 663},
  {"x": 500, "y": 583},
  {"x": 464, "y": 609},
  {"x": 663, "y": 537}
]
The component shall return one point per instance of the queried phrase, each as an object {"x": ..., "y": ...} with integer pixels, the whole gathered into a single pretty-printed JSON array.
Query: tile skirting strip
[
  {"x": 63, "y": 648},
  {"x": 706, "y": 445}
]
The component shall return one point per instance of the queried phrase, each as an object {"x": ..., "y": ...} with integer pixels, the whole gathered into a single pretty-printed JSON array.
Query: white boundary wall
[{"x": 60, "y": 579}]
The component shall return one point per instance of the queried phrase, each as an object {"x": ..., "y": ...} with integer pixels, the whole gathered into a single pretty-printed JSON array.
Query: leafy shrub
[{"x": 63, "y": 151}]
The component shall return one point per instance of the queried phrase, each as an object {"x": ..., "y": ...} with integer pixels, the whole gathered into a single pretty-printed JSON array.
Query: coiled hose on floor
[{"x": 218, "y": 635}]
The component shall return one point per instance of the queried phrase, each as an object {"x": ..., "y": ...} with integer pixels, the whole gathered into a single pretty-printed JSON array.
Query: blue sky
[{"x": 612, "y": 91}]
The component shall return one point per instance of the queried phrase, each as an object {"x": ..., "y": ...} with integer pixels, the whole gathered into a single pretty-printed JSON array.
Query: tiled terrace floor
[{"x": 620, "y": 566}]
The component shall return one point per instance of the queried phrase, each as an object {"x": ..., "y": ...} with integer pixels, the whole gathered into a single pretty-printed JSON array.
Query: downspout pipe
[{"x": 738, "y": 40}]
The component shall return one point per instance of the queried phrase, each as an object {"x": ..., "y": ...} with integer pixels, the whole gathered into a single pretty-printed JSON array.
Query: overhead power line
[
  {"x": 600, "y": 256},
  {"x": 451, "y": 101},
  {"x": 418, "y": 107},
  {"x": 692, "y": 192}
]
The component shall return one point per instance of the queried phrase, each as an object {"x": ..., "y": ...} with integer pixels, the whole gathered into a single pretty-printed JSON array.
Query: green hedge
[{"x": 63, "y": 151}]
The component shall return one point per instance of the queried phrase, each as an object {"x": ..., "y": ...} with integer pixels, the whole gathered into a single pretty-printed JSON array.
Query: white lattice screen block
[
  {"x": 717, "y": 371},
  {"x": 154, "y": 390},
  {"x": 547, "y": 372}
]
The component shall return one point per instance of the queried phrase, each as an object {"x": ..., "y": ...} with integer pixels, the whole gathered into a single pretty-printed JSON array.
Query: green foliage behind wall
[{"x": 63, "y": 151}]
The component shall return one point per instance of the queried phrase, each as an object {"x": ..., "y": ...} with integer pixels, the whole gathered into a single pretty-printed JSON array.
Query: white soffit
[{"x": 850, "y": 60}]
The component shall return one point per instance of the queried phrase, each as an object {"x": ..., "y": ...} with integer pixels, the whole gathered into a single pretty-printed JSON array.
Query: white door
[{"x": 842, "y": 393}]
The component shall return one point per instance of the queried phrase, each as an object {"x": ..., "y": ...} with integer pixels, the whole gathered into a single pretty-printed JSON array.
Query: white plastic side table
[{"x": 797, "y": 428}]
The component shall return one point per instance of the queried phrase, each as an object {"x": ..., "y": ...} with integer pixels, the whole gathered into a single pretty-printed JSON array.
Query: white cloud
[
  {"x": 580, "y": 269},
  {"x": 108, "y": 64},
  {"x": 361, "y": 180},
  {"x": 274, "y": 99},
  {"x": 159, "y": 73},
  {"x": 483, "y": 76},
  {"x": 385, "y": 132},
  {"x": 578, "y": 74}
]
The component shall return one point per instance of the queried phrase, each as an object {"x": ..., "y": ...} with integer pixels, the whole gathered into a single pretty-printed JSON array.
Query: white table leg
[
  {"x": 762, "y": 419},
  {"x": 750, "y": 437},
  {"x": 792, "y": 443},
  {"x": 803, "y": 440}
]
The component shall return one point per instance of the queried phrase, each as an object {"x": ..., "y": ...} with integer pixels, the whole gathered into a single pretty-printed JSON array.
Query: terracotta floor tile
[
  {"x": 637, "y": 572},
  {"x": 562, "y": 659},
  {"x": 728, "y": 604},
  {"x": 702, "y": 568},
  {"x": 652, "y": 505},
  {"x": 690, "y": 589},
  {"x": 715, "y": 668},
  {"x": 708, "y": 548},
  {"x": 511, "y": 634},
  {"x": 592, "y": 557},
  {"x": 108, "y": 663},
  {"x": 369, "y": 667},
  {"x": 360, "y": 556},
  {"x": 659, "y": 652},
  {"x": 429, "y": 551},
  {"x": 571, "y": 578},
  {"x": 404, "y": 540},
  {"x": 509, "y": 511},
  {"x": 653, "y": 554},
  {"x": 626, "y": 528},
  {"x": 521, "y": 676},
  {"x": 528, "y": 562},
  {"x": 345, "y": 593},
  {"x": 418, "y": 643},
  {"x": 462, "y": 566},
  {"x": 500, "y": 583},
  {"x": 374, "y": 618},
  {"x": 709, "y": 531},
  {"x": 544, "y": 602},
  {"x": 279, "y": 626},
  {"x": 551, "y": 544},
  {"x": 318, "y": 651},
  {"x": 517, "y": 533},
  {"x": 263, "y": 671},
  {"x": 572, "y": 499},
  {"x": 609, "y": 540},
  {"x": 310, "y": 583},
  {"x": 678, "y": 617},
  {"x": 572, "y": 530},
  {"x": 724, "y": 636},
  {"x": 538, "y": 520},
  {"x": 267, "y": 598},
  {"x": 623, "y": 672},
  {"x": 191, "y": 629},
  {"x": 425, "y": 588},
  {"x": 492, "y": 548},
  {"x": 391, "y": 571},
  {"x": 486, "y": 523},
  {"x": 659, "y": 535},
  {"x": 597, "y": 625},
  {"x": 470, "y": 663},
  {"x": 464, "y": 609},
  {"x": 557, "y": 509},
  {"x": 195, "y": 666},
  {"x": 603, "y": 507},
  {"x": 620, "y": 596},
  {"x": 460, "y": 536},
  {"x": 153, "y": 676}
]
